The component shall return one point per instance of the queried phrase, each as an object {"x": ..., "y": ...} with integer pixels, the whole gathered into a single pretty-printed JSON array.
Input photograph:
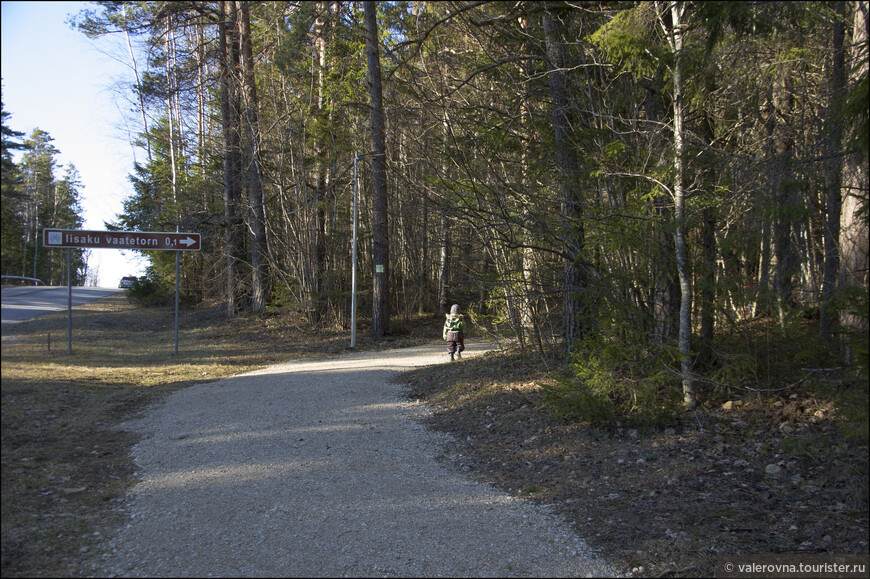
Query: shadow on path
[{"x": 318, "y": 468}]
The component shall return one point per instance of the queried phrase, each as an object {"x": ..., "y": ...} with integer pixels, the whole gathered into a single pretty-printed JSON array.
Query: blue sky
[{"x": 56, "y": 79}]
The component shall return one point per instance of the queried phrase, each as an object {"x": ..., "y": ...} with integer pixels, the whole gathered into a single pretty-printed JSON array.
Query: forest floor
[
  {"x": 747, "y": 476},
  {"x": 752, "y": 474}
]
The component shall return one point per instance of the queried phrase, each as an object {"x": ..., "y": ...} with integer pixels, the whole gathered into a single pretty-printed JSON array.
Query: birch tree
[{"x": 671, "y": 20}]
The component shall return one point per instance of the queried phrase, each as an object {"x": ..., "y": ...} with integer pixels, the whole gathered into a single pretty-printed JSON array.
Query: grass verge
[
  {"x": 66, "y": 463},
  {"x": 662, "y": 502}
]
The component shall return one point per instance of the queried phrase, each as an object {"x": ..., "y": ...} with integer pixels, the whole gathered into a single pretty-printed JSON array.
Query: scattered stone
[{"x": 773, "y": 470}]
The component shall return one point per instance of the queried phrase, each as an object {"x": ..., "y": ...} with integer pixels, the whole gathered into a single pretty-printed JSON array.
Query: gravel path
[{"x": 319, "y": 468}]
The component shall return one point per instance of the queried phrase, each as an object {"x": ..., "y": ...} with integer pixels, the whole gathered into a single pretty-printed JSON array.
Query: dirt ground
[
  {"x": 750, "y": 477},
  {"x": 66, "y": 463},
  {"x": 743, "y": 475}
]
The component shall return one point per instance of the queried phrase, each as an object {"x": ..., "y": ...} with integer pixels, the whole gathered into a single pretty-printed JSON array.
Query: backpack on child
[{"x": 454, "y": 324}]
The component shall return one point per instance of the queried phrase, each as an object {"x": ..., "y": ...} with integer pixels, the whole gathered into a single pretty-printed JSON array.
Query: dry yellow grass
[
  {"x": 65, "y": 459},
  {"x": 66, "y": 462}
]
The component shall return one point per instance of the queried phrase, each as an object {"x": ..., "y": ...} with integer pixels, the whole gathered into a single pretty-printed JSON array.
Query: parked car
[{"x": 127, "y": 281}]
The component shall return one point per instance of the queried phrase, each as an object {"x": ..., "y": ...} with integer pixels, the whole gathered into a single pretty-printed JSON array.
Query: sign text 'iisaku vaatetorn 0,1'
[{"x": 144, "y": 240}]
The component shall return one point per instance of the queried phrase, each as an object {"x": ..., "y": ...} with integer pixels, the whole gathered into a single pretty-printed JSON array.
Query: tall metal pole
[
  {"x": 356, "y": 158},
  {"x": 177, "y": 254},
  {"x": 353, "y": 265},
  {"x": 68, "y": 301}
]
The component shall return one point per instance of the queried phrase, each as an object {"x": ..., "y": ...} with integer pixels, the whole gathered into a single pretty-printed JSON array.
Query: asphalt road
[{"x": 23, "y": 303}]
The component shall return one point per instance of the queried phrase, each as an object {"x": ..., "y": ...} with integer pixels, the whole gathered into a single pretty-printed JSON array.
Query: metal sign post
[
  {"x": 177, "y": 256},
  {"x": 356, "y": 158},
  {"x": 353, "y": 262},
  {"x": 69, "y": 301},
  {"x": 142, "y": 240}
]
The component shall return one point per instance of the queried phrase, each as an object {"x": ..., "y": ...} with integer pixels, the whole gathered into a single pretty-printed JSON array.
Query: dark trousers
[{"x": 455, "y": 342}]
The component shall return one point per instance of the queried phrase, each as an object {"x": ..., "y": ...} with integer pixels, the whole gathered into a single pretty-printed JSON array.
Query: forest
[
  {"x": 34, "y": 197},
  {"x": 629, "y": 182}
]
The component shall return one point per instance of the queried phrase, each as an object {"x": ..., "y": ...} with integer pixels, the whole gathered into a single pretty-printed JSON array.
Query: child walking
[{"x": 454, "y": 332}]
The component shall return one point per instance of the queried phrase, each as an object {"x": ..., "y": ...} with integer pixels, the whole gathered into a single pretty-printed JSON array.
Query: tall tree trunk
[
  {"x": 761, "y": 305},
  {"x": 139, "y": 89},
  {"x": 316, "y": 307},
  {"x": 664, "y": 293},
  {"x": 444, "y": 263},
  {"x": 528, "y": 323},
  {"x": 573, "y": 283},
  {"x": 708, "y": 283},
  {"x": 256, "y": 209},
  {"x": 444, "y": 242},
  {"x": 232, "y": 167},
  {"x": 833, "y": 204},
  {"x": 854, "y": 235},
  {"x": 201, "y": 99},
  {"x": 674, "y": 33},
  {"x": 380, "y": 232},
  {"x": 784, "y": 196},
  {"x": 170, "y": 99},
  {"x": 422, "y": 281},
  {"x": 708, "y": 288}
]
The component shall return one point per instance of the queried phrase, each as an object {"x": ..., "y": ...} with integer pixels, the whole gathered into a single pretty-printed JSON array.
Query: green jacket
[{"x": 453, "y": 323}]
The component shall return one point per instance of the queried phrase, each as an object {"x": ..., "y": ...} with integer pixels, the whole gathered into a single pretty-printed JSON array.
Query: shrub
[
  {"x": 148, "y": 292},
  {"x": 609, "y": 382}
]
